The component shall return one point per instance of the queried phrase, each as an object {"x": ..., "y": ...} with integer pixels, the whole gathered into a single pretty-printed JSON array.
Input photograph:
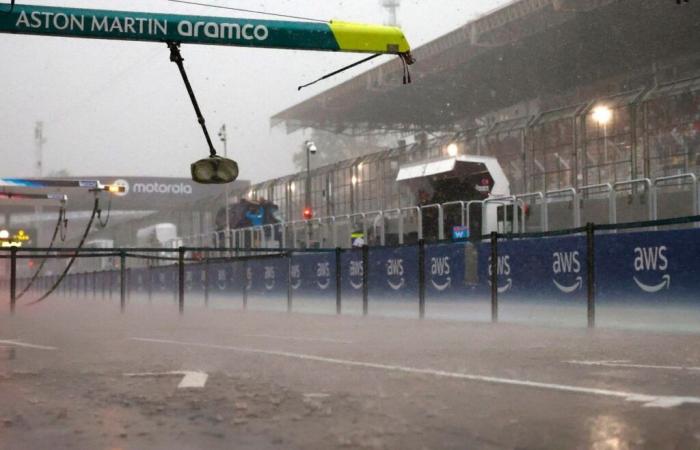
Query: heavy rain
[{"x": 382, "y": 224}]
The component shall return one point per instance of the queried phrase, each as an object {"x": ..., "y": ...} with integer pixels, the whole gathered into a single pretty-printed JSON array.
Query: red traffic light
[{"x": 308, "y": 214}]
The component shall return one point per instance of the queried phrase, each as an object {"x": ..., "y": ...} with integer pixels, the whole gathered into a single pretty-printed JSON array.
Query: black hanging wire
[
  {"x": 406, "y": 60},
  {"x": 100, "y": 223},
  {"x": 59, "y": 226},
  {"x": 176, "y": 57},
  {"x": 369, "y": 58},
  {"x": 75, "y": 255},
  {"x": 264, "y": 13}
]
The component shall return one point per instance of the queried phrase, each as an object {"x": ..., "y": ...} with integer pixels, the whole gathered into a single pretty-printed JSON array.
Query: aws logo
[
  {"x": 323, "y": 275},
  {"x": 188, "y": 280},
  {"x": 394, "y": 273},
  {"x": 356, "y": 271},
  {"x": 503, "y": 268},
  {"x": 269, "y": 277},
  {"x": 161, "y": 281},
  {"x": 249, "y": 278},
  {"x": 567, "y": 264},
  {"x": 295, "y": 276},
  {"x": 440, "y": 270},
  {"x": 221, "y": 279},
  {"x": 651, "y": 260}
]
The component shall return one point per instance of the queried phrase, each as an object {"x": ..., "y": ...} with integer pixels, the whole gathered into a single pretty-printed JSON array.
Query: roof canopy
[{"x": 526, "y": 50}]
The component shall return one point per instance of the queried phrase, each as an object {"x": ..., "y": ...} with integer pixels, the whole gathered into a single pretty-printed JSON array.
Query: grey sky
[{"x": 121, "y": 108}]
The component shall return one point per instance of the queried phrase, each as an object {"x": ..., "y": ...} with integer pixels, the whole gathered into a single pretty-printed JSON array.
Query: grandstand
[{"x": 567, "y": 95}]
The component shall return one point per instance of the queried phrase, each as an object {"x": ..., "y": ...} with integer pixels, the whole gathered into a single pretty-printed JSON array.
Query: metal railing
[{"x": 326, "y": 229}]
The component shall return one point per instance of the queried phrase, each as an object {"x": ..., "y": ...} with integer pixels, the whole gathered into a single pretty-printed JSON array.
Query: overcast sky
[{"x": 120, "y": 108}]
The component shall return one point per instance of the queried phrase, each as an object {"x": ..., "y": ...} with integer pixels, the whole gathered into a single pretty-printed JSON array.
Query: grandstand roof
[{"x": 529, "y": 49}]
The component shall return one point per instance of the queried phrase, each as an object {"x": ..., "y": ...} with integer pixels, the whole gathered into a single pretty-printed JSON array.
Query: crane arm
[{"x": 155, "y": 27}]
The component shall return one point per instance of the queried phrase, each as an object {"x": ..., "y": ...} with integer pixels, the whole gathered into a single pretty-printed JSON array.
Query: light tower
[{"x": 392, "y": 7}]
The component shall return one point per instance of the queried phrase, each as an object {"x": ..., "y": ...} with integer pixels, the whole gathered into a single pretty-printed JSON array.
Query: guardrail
[
  {"x": 327, "y": 227},
  {"x": 518, "y": 267}
]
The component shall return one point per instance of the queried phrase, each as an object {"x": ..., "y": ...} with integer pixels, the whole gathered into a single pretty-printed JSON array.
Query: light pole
[
  {"x": 311, "y": 149},
  {"x": 224, "y": 139}
]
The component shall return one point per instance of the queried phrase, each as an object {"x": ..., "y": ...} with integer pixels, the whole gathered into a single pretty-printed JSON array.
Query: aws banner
[
  {"x": 528, "y": 270},
  {"x": 314, "y": 274},
  {"x": 538, "y": 269},
  {"x": 660, "y": 267}
]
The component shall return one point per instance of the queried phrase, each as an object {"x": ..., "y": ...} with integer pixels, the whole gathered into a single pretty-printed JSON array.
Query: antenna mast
[{"x": 392, "y": 7}]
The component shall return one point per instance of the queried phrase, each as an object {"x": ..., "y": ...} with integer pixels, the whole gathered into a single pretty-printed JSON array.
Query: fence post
[
  {"x": 289, "y": 282},
  {"x": 181, "y": 279},
  {"x": 590, "y": 268},
  {"x": 245, "y": 284},
  {"x": 421, "y": 278},
  {"x": 365, "y": 280},
  {"x": 150, "y": 282},
  {"x": 94, "y": 285},
  {"x": 338, "y": 282},
  {"x": 122, "y": 280},
  {"x": 128, "y": 283},
  {"x": 13, "y": 278},
  {"x": 494, "y": 276},
  {"x": 206, "y": 281}
]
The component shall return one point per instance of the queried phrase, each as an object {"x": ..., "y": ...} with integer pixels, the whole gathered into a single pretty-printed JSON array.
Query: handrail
[
  {"x": 543, "y": 210},
  {"x": 419, "y": 217},
  {"x": 441, "y": 218},
  {"x": 574, "y": 198},
  {"x": 504, "y": 200},
  {"x": 611, "y": 193},
  {"x": 645, "y": 181},
  {"x": 469, "y": 206},
  {"x": 400, "y": 215},
  {"x": 233, "y": 237},
  {"x": 462, "y": 205},
  {"x": 380, "y": 215},
  {"x": 693, "y": 182}
]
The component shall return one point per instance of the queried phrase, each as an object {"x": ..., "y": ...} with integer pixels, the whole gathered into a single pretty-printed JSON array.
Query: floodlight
[
  {"x": 214, "y": 170},
  {"x": 452, "y": 150},
  {"x": 602, "y": 114}
]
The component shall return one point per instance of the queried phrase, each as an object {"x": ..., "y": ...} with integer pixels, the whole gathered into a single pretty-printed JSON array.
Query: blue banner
[
  {"x": 393, "y": 272},
  {"x": 660, "y": 267},
  {"x": 538, "y": 269},
  {"x": 313, "y": 274}
]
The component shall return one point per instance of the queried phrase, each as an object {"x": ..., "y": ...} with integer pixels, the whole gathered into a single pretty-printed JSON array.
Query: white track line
[
  {"x": 293, "y": 338},
  {"x": 630, "y": 365},
  {"x": 660, "y": 401},
  {"x": 25, "y": 345},
  {"x": 190, "y": 379}
]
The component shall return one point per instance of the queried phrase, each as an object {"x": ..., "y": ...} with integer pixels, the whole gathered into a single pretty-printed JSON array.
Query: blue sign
[
  {"x": 661, "y": 267},
  {"x": 460, "y": 233}
]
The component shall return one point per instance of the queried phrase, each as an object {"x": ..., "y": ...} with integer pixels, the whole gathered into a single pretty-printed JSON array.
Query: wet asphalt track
[{"x": 320, "y": 381}]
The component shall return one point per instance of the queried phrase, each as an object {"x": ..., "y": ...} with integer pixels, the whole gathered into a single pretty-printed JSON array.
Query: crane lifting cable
[
  {"x": 61, "y": 225},
  {"x": 63, "y": 275}
]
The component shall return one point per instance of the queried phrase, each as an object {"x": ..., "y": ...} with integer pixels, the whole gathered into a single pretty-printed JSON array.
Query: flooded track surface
[{"x": 78, "y": 374}]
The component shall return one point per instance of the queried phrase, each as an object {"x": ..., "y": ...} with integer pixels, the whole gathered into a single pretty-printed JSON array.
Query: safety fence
[
  {"x": 610, "y": 203},
  {"x": 581, "y": 267}
]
